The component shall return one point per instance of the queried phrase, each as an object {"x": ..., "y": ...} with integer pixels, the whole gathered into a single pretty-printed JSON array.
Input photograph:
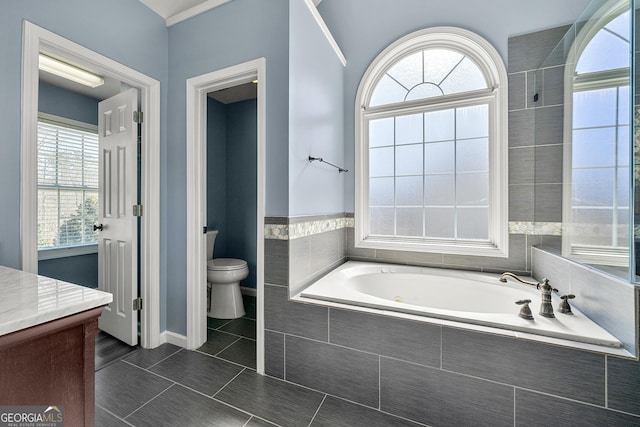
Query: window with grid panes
[
  {"x": 431, "y": 159},
  {"x": 597, "y": 216}
]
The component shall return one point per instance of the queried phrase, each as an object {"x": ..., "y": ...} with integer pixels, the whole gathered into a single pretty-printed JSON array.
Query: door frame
[
  {"x": 197, "y": 89},
  {"x": 34, "y": 38}
]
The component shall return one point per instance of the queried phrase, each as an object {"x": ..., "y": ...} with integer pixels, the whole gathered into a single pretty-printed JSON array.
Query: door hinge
[
  {"x": 137, "y": 304},
  {"x": 137, "y": 210},
  {"x": 138, "y": 116}
]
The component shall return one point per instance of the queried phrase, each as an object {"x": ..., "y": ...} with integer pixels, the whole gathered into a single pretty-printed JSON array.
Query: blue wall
[
  {"x": 363, "y": 28},
  {"x": 217, "y": 173},
  {"x": 64, "y": 103},
  {"x": 236, "y": 32},
  {"x": 231, "y": 180},
  {"x": 82, "y": 269},
  {"x": 316, "y": 113},
  {"x": 241, "y": 200},
  {"x": 104, "y": 27}
]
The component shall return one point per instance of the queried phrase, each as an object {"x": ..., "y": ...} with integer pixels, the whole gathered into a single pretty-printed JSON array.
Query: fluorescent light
[{"x": 69, "y": 72}]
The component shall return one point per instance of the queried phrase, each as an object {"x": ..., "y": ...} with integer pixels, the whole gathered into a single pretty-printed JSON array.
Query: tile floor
[{"x": 217, "y": 385}]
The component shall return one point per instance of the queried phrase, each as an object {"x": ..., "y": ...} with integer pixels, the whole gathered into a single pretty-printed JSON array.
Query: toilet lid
[{"x": 226, "y": 264}]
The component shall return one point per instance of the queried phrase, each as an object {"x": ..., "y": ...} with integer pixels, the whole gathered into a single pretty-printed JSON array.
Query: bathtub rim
[{"x": 457, "y": 324}]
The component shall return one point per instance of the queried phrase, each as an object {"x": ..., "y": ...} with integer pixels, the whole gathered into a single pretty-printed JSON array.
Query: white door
[{"x": 118, "y": 242}]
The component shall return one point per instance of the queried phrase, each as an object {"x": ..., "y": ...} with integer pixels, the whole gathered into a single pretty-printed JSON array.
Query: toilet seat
[{"x": 226, "y": 264}]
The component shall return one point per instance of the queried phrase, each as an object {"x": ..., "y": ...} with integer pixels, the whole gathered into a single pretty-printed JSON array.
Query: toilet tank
[{"x": 211, "y": 241}]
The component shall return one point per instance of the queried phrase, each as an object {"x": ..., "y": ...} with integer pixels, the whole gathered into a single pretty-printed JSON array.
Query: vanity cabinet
[{"x": 47, "y": 344}]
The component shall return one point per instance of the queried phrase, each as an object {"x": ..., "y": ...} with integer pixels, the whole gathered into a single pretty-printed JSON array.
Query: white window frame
[
  {"x": 615, "y": 78},
  {"x": 69, "y": 251},
  {"x": 493, "y": 68}
]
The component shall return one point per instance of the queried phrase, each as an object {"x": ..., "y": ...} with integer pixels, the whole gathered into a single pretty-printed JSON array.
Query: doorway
[
  {"x": 197, "y": 90},
  {"x": 35, "y": 40}
]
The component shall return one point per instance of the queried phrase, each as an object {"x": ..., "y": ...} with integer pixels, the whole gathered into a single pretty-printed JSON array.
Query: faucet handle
[
  {"x": 545, "y": 284},
  {"x": 564, "y": 306},
  {"x": 525, "y": 311}
]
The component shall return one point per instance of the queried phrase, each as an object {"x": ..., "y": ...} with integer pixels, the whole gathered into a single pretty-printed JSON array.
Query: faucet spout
[{"x": 506, "y": 275}]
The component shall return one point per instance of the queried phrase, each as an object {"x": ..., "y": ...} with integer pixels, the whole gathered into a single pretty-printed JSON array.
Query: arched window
[
  {"x": 431, "y": 146},
  {"x": 597, "y": 150}
]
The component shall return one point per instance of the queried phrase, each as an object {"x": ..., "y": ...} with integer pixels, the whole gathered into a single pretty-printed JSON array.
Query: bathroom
[
  {"x": 231, "y": 211},
  {"x": 347, "y": 359}
]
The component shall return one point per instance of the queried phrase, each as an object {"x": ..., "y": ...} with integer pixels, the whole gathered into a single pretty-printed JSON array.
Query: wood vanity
[{"x": 47, "y": 344}]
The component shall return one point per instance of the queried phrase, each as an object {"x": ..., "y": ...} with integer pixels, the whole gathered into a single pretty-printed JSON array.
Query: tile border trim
[
  {"x": 535, "y": 228},
  {"x": 283, "y": 228}
]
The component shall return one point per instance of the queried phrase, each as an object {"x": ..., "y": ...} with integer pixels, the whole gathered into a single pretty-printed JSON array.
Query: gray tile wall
[
  {"x": 596, "y": 294},
  {"x": 439, "y": 375},
  {"x": 536, "y": 127}
]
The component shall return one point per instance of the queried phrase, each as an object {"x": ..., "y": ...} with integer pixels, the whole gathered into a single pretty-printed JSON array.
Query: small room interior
[{"x": 231, "y": 211}]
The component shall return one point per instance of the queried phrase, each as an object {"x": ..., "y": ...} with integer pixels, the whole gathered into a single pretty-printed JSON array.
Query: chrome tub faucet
[{"x": 546, "y": 309}]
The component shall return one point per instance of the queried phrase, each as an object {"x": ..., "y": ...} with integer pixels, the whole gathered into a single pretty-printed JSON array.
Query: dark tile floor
[
  {"x": 109, "y": 349},
  {"x": 216, "y": 385}
]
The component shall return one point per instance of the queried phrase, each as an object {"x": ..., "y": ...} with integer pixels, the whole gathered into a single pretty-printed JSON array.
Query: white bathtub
[{"x": 462, "y": 296}]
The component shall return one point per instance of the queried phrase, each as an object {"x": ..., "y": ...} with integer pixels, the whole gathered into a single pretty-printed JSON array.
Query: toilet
[{"x": 223, "y": 280}]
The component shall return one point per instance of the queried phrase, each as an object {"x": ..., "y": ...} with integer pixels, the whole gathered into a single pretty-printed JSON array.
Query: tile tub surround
[
  {"x": 596, "y": 293},
  {"x": 420, "y": 371},
  {"x": 423, "y": 369}
]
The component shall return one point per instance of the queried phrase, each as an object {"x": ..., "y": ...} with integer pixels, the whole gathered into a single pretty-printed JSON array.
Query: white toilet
[{"x": 223, "y": 278}]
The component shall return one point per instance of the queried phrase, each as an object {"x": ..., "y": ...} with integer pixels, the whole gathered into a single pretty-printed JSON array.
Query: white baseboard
[
  {"x": 173, "y": 338},
  {"x": 249, "y": 291}
]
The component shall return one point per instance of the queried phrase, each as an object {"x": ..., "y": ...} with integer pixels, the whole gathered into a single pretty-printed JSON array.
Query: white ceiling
[{"x": 174, "y": 11}]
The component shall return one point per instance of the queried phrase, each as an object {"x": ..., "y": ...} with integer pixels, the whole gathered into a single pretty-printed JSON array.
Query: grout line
[
  {"x": 284, "y": 357},
  {"x": 228, "y": 382},
  {"x": 218, "y": 400},
  {"x": 580, "y": 402},
  {"x": 240, "y": 365},
  {"x": 160, "y": 361},
  {"x": 114, "y": 415},
  {"x": 221, "y": 326},
  {"x": 153, "y": 373},
  {"x": 243, "y": 411},
  {"x": 441, "y": 346},
  {"x": 223, "y": 348},
  {"x": 317, "y": 410},
  {"x": 224, "y": 360},
  {"x": 150, "y": 400},
  {"x": 606, "y": 381},
  {"x": 379, "y": 382},
  {"x": 514, "y": 407},
  {"x": 328, "y": 324}
]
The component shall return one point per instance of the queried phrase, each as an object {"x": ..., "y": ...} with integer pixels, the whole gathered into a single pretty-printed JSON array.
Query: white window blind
[{"x": 67, "y": 185}]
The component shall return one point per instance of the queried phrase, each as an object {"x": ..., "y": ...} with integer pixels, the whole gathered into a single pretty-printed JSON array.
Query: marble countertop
[{"x": 27, "y": 299}]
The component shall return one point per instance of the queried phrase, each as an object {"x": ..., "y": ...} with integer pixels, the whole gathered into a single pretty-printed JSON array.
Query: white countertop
[{"x": 27, "y": 299}]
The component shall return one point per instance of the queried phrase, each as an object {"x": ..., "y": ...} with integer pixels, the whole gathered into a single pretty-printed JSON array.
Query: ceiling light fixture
[
  {"x": 69, "y": 72},
  {"x": 255, "y": 82}
]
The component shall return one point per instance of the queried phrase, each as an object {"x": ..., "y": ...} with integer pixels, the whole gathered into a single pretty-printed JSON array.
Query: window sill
[
  {"x": 45, "y": 254},
  {"x": 469, "y": 248}
]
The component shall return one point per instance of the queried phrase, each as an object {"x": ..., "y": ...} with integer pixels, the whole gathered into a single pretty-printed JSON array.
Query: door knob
[{"x": 98, "y": 227}]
